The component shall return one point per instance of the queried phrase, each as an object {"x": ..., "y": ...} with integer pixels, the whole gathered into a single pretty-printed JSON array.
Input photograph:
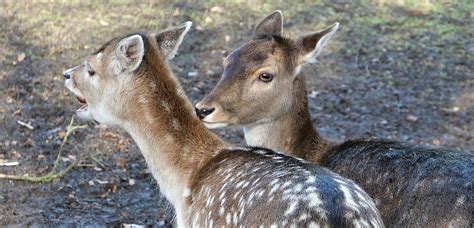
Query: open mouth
[{"x": 83, "y": 103}]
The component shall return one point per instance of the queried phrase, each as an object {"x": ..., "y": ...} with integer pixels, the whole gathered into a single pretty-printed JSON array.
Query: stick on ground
[{"x": 54, "y": 172}]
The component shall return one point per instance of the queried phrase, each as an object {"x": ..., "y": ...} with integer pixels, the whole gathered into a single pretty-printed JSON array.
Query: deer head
[
  {"x": 110, "y": 82},
  {"x": 257, "y": 83}
]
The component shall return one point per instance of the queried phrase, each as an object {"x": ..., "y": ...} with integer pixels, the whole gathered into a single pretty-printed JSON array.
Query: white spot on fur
[
  {"x": 241, "y": 213},
  {"x": 314, "y": 200},
  {"x": 460, "y": 200},
  {"x": 176, "y": 125},
  {"x": 286, "y": 184},
  {"x": 348, "y": 200},
  {"x": 298, "y": 188},
  {"x": 274, "y": 189},
  {"x": 234, "y": 218},
  {"x": 289, "y": 211},
  {"x": 186, "y": 192},
  {"x": 166, "y": 106},
  {"x": 195, "y": 220},
  {"x": 311, "y": 179}
]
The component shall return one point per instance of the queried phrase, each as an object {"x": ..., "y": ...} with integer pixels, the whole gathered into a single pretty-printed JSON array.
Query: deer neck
[
  {"x": 173, "y": 141},
  {"x": 293, "y": 132}
]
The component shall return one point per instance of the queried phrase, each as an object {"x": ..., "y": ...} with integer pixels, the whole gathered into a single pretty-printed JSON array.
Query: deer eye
[
  {"x": 265, "y": 77},
  {"x": 89, "y": 69}
]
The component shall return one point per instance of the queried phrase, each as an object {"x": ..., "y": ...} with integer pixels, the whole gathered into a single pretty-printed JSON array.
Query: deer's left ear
[
  {"x": 128, "y": 54},
  {"x": 170, "y": 39},
  {"x": 311, "y": 45},
  {"x": 271, "y": 24}
]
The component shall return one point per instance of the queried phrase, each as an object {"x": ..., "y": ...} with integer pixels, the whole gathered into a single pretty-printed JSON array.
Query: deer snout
[
  {"x": 207, "y": 107},
  {"x": 204, "y": 109},
  {"x": 211, "y": 114},
  {"x": 203, "y": 112},
  {"x": 67, "y": 74}
]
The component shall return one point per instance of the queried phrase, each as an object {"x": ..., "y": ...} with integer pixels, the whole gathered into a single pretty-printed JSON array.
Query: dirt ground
[{"x": 401, "y": 71}]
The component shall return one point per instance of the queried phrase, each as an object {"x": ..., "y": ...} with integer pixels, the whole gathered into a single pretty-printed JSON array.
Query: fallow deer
[
  {"x": 128, "y": 83},
  {"x": 263, "y": 91}
]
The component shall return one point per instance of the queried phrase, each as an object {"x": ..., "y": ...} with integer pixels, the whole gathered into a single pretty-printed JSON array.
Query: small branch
[
  {"x": 25, "y": 124},
  {"x": 15, "y": 163},
  {"x": 99, "y": 162},
  {"x": 54, "y": 173}
]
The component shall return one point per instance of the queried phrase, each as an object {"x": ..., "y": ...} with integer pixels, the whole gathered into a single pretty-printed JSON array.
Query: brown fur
[{"x": 276, "y": 111}]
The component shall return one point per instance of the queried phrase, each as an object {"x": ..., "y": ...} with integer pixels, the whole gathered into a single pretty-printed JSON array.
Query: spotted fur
[
  {"x": 414, "y": 185},
  {"x": 254, "y": 187}
]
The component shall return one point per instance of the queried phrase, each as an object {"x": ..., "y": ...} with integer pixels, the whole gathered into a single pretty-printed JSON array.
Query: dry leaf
[
  {"x": 208, "y": 20},
  {"x": 103, "y": 23},
  {"x": 61, "y": 134},
  {"x": 21, "y": 57},
  {"x": 176, "y": 12},
  {"x": 121, "y": 163},
  {"x": 111, "y": 187},
  {"x": 217, "y": 9}
]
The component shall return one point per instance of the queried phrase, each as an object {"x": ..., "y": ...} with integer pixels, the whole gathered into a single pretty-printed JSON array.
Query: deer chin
[
  {"x": 216, "y": 120},
  {"x": 215, "y": 125}
]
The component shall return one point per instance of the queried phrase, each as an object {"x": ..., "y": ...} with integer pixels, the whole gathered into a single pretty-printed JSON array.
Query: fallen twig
[
  {"x": 15, "y": 163},
  {"x": 99, "y": 162},
  {"x": 27, "y": 125},
  {"x": 54, "y": 173}
]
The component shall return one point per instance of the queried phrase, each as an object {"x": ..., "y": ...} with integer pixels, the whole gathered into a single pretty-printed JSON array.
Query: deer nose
[
  {"x": 67, "y": 74},
  {"x": 203, "y": 112}
]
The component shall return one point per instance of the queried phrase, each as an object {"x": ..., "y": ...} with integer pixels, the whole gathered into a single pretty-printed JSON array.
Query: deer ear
[
  {"x": 311, "y": 45},
  {"x": 271, "y": 24},
  {"x": 170, "y": 39},
  {"x": 128, "y": 54}
]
